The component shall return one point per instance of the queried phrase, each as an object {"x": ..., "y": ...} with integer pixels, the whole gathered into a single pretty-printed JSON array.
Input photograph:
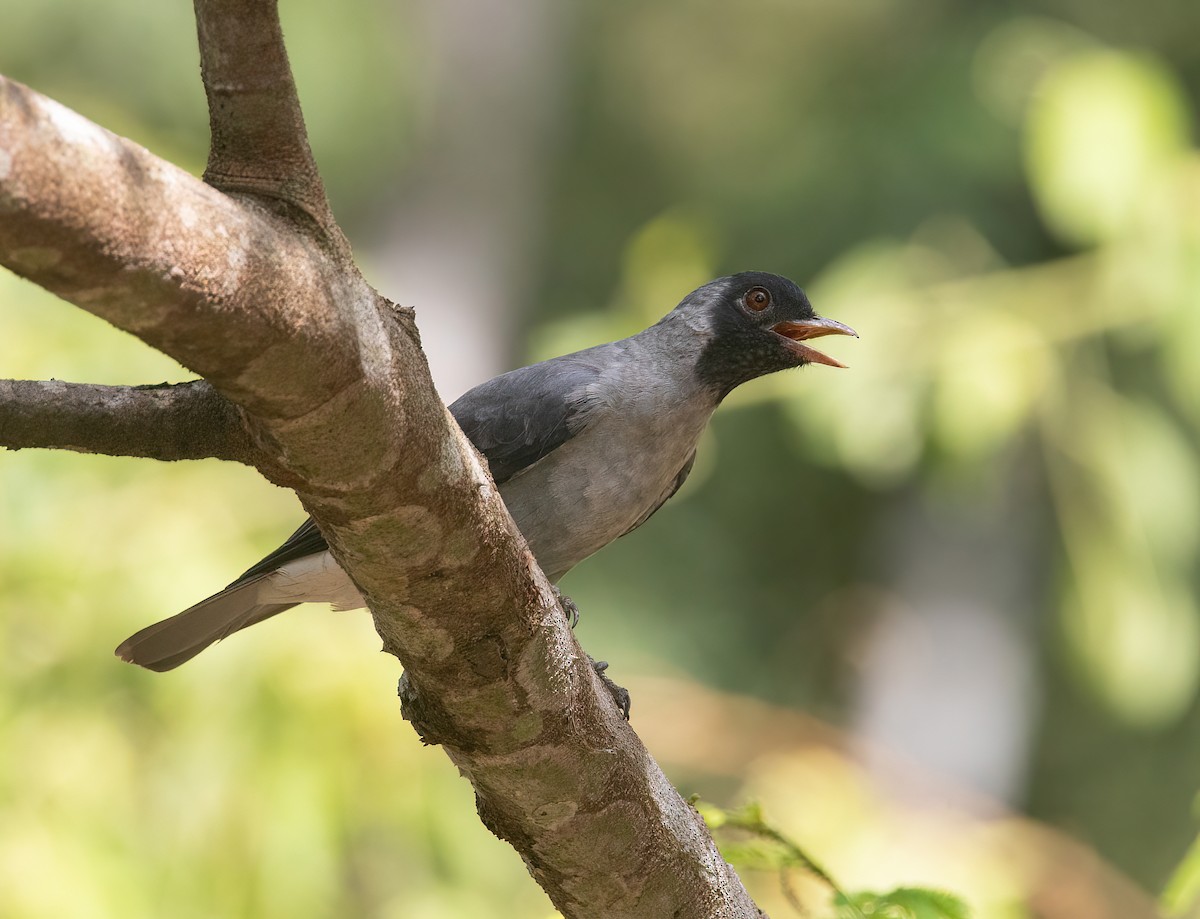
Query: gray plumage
[{"x": 584, "y": 448}]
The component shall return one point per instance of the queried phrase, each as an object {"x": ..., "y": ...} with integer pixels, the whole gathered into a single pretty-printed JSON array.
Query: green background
[{"x": 1002, "y": 197}]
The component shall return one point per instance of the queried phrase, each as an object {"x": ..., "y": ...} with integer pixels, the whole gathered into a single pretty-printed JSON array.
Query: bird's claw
[
  {"x": 620, "y": 694},
  {"x": 570, "y": 610}
]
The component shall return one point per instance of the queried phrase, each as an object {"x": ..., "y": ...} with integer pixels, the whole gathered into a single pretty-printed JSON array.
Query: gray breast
[{"x": 606, "y": 479}]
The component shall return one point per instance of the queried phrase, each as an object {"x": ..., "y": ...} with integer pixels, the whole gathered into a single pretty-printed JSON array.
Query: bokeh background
[{"x": 936, "y": 612}]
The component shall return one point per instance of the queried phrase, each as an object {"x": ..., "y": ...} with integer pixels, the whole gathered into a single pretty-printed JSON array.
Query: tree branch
[
  {"x": 259, "y": 143},
  {"x": 164, "y": 422},
  {"x": 104, "y": 224}
]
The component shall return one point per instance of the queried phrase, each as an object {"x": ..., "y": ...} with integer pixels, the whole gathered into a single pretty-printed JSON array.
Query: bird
[{"x": 584, "y": 448}]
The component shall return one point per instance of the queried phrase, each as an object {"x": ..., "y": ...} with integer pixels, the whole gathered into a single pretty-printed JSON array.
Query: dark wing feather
[
  {"x": 680, "y": 478},
  {"x": 307, "y": 540},
  {"x": 518, "y": 418}
]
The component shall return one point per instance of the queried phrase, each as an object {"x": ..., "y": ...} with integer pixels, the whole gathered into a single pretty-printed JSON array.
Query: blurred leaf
[
  {"x": 1179, "y": 265},
  {"x": 1148, "y": 474},
  {"x": 903, "y": 903},
  {"x": 564, "y": 336},
  {"x": 1181, "y": 895},
  {"x": 868, "y": 420},
  {"x": 1103, "y": 127},
  {"x": 1134, "y": 631},
  {"x": 674, "y": 252},
  {"x": 1016, "y": 55},
  {"x": 992, "y": 368},
  {"x": 713, "y": 816},
  {"x": 1128, "y": 499}
]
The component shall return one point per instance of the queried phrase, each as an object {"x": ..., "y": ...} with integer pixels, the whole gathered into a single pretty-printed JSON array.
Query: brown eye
[{"x": 757, "y": 299}]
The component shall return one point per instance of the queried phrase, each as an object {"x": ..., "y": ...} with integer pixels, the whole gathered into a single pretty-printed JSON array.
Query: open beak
[{"x": 801, "y": 330}]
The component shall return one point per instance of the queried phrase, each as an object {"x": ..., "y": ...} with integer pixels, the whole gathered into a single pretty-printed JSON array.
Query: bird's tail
[{"x": 167, "y": 644}]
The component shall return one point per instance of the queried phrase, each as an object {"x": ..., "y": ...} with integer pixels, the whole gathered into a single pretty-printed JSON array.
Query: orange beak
[{"x": 799, "y": 331}]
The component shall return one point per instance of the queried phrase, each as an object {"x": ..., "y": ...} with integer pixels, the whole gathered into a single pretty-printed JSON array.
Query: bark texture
[
  {"x": 321, "y": 384},
  {"x": 163, "y": 422}
]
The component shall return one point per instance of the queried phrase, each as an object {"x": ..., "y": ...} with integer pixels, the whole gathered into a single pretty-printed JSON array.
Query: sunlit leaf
[
  {"x": 1135, "y": 633},
  {"x": 868, "y": 420},
  {"x": 1180, "y": 334},
  {"x": 1126, "y": 492},
  {"x": 904, "y": 903},
  {"x": 1103, "y": 126},
  {"x": 1141, "y": 470},
  {"x": 671, "y": 255},
  {"x": 992, "y": 367},
  {"x": 1182, "y": 893},
  {"x": 715, "y": 817}
]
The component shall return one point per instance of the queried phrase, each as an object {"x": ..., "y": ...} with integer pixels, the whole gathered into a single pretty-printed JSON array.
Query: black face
[{"x": 759, "y": 321}]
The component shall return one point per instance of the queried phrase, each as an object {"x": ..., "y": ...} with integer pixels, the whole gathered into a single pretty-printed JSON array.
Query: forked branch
[
  {"x": 259, "y": 143},
  {"x": 130, "y": 238}
]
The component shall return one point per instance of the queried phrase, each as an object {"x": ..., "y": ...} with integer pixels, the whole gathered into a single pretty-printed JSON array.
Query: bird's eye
[{"x": 757, "y": 299}]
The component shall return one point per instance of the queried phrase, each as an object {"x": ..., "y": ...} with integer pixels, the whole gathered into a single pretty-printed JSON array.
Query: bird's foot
[
  {"x": 570, "y": 610},
  {"x": 619, "y": 694}
]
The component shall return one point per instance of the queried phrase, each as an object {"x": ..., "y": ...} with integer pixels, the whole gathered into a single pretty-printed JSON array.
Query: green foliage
[
  {"x": 768, "y": 848},
  {"x": 765, "y": 848},
  {"x": 1105, "y": 129},
  {"x": 903, "y": 903},
  {"x": 1181, "y": 896}
]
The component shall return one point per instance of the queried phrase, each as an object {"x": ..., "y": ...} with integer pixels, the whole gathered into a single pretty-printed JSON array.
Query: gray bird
[{"x": 584, "y": 448}]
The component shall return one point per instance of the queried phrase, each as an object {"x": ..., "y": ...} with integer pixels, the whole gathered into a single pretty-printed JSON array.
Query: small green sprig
[{"x": 766, "y": 849}]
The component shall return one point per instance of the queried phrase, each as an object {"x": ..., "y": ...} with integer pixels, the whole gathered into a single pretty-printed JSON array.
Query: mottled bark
[{"x": 255, "y": 292}]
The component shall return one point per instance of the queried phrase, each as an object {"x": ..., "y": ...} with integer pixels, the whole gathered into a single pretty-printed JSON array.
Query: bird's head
[{"x": 752, "y": 324}]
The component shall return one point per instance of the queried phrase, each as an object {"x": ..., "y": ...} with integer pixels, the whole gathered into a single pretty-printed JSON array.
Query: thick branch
[
  {"x": 164, "y": 422},
  {"x": 336, "y": 388},
  {"x": 101, "y": 222},
  {"x": 259, "y": 144}
]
